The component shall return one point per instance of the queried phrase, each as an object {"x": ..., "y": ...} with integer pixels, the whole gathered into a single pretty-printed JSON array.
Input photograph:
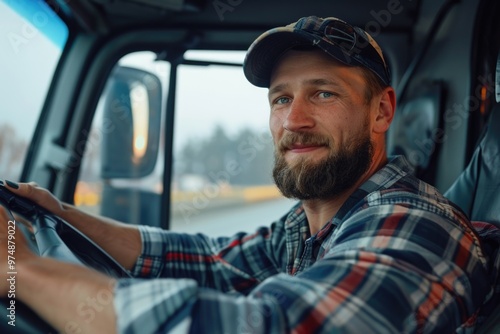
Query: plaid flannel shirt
[{"x": 396, "y": 258}]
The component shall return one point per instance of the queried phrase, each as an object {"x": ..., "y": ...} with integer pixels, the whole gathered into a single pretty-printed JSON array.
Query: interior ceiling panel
[{"x": 385, "y": 14}]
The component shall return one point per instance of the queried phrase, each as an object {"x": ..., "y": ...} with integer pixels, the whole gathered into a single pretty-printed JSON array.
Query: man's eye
[
  {"x": 282, "y": 100},
  {"x": 325, "y": 95}
]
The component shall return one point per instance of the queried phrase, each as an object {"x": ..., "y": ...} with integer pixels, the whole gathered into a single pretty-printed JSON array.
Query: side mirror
[{"x": 131, "y": 124}]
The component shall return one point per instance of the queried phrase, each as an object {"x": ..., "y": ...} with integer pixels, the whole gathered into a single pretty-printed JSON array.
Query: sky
[{"x": 27, "y": 60}]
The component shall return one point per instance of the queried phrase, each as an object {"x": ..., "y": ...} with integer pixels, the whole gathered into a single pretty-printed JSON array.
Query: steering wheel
[{"x": 57, "y": 239}]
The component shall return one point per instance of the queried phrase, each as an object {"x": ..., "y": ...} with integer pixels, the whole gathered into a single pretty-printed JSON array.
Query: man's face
[{"x": 320, "y": 123}]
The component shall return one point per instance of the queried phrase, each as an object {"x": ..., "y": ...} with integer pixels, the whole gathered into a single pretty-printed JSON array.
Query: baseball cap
[{"x": 348, "y": 44}]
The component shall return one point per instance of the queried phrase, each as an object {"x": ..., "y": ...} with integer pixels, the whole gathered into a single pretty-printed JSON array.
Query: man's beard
[{"x": 330, "y": 177}]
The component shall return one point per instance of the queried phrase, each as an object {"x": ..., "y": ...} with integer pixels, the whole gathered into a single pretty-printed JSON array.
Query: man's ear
[{"x": 385, "y": 110}]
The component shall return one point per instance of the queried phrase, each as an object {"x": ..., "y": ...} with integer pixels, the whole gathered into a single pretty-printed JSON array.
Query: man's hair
[{"x": 374, "y": 84}]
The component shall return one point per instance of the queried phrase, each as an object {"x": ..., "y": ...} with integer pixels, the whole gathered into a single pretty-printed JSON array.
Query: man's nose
[{"x": 299, "y": 116}]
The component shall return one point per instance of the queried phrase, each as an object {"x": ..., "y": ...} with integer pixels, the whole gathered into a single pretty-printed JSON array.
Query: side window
[
  {"x": 223, "y": 151},
  {"x": 222, "y": 180},
  {"x": 32, "y": 41},
  {"x": 122, "y": 168}
]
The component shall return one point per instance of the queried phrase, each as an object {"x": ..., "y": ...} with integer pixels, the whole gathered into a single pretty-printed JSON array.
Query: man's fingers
[
  {"x": 28, "y": 190},
  {"x": 11, "y": 184},
  {"x": 39, "y": 195}
]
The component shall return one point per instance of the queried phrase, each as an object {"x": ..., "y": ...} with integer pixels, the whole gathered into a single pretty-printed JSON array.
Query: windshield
[{"x": 33, "y": 37}]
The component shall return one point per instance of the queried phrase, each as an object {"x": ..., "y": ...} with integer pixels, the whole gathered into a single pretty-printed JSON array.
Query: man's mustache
[{"x": 305, "y": 139}]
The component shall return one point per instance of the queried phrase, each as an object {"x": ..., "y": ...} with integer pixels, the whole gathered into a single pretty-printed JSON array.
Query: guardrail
[{"x": 91, "y": 196}]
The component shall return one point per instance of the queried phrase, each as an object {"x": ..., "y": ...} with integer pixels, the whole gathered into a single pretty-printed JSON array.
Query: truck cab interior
[{"x": 127, "y": 92}]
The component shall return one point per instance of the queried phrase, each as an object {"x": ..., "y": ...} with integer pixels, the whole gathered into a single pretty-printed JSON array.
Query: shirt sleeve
[
  {"x": 388, "y": 269},
  {"x": 226, "y": 264}
]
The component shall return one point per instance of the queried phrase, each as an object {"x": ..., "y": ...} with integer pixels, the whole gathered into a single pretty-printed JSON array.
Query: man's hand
[
  {"x": 39, "y": 195},
  {"x": 121, "y": 241}
]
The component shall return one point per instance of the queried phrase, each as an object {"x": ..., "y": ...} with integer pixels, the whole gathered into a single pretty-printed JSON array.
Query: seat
[
  {"x": 477, "y": 189},
  {"x": 477, "y": 192}
]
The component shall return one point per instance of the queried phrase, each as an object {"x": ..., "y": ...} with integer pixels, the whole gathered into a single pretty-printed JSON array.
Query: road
[{"x": 227, "y": 221}]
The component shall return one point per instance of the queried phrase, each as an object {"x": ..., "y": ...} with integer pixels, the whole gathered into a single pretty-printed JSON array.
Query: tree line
[{"x": 243, "y": 159}]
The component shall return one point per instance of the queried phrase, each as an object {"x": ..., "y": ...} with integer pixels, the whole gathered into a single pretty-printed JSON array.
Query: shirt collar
[{"x": 397, "y": 168}]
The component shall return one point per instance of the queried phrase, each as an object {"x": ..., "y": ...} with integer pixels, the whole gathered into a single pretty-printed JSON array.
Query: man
[{"x": 368, "y": 248}]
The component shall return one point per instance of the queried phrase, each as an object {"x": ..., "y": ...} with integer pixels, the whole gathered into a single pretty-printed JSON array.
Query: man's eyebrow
[
  {"x": 322, "y": 82},
  {"x": 277, "y": 89},
  {"x": 310, "y": 82}
]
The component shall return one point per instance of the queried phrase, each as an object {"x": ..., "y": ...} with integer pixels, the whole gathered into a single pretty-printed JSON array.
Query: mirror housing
[{"x": 132, "y": 122}]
